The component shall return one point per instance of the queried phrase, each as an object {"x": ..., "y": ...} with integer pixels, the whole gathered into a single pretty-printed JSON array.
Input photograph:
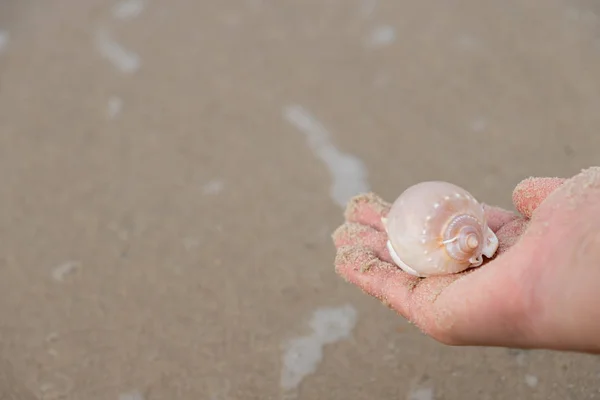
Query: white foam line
[
  {"x": 126, "y": 61},
  {"x": 59, "y": 273},
  {"x": 422, "y": 394},
  {"x": 302, "y": 355},
  {"x": 3, "y": 40},
  {"x": 531, "y": 380},
  {"x": 114, "y": 107},
  {"x": 214, "y": 186},
  {"x": 135, "y": 395},
  {"x": 128, "y": 9},
  {"x": 381, "y": 36},
  {"x": 348, "y": 172}
]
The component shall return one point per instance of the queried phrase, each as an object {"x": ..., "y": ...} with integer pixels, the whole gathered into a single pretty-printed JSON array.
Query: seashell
[{"x": 438, "y": 228}]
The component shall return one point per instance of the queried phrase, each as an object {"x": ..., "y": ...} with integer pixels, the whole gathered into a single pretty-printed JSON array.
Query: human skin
[{"x": 540, "y": 291}]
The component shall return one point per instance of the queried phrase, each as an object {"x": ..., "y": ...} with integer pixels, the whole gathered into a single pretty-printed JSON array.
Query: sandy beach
[{"x": 172, "y": 172}]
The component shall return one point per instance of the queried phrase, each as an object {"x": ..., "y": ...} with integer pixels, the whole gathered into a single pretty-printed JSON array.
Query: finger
[
  {"x": 531, "y": 192},
  {"x": 382, "y": 280},
  {"x": 489, "y": 306},
  {"x": 509, "y": 234},
  {"x": 497, "y": 217},
  {"x": 357, "y": 235},
  {"x": 367, "y": 209},
  {"x": 421, "y": 302}
]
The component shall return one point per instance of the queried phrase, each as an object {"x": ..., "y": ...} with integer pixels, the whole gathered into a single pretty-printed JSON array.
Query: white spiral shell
[{"x": 438, "y": 228}]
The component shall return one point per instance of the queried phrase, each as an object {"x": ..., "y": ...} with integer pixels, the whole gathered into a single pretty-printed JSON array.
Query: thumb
[{"x": 531, "y": 192}]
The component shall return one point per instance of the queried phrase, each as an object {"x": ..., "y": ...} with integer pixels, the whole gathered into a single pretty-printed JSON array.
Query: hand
[{"x": 540, "y": 291}]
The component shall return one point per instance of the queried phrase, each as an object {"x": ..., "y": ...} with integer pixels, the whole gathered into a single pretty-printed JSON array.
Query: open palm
[{"x": 491, "y": 305}]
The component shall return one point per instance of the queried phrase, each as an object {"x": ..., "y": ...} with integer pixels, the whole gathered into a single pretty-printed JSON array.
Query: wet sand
[{"x": 172, "y": 173}]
